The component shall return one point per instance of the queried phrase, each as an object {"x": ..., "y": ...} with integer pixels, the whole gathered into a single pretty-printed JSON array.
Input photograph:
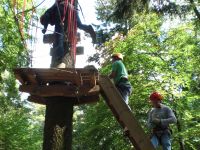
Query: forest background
[{"x": 161, "y": 44}]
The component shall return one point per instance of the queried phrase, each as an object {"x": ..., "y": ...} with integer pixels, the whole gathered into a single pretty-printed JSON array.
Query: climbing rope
[
  {"x": 69, "y": 10},
  {"x": 66, "y": 3},
  {"x": 72, "y": 29}
]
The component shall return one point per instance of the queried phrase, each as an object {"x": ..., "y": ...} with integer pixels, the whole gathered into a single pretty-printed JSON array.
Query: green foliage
[
  {"x": 96, "y": 128},
  {"x": 157, "y": 59},
  {"x": 19, "y": 127},
  {"x": 18, "y": 131}
]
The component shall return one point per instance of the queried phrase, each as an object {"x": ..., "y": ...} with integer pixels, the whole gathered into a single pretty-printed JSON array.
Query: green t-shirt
[{"x": 120, "y": 70}]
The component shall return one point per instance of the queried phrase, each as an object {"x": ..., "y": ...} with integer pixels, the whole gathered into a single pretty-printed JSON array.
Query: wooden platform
[{"x": 77, "y": 84}]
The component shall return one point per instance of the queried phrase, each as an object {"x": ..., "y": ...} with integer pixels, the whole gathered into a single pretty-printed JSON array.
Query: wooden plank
[
  {"x": 78, "y": 101},
  {"x": 36, "y": 76},
  {"x": 28, "y": 78},
  {"x": 59, "y": 90},
  {"x": 37, "y": 99},
  {"x": 92, "y": 80},
  {"x": 78, "y": 80},
  {"x": 20, "y": 78},
  {"x": 32, "y": 78},
  {"x": 55, "y": 70},
  {"x": 87, "y": 100},
  {"x": 60, "y": 76},
  {"x": 123, "y": 114}
]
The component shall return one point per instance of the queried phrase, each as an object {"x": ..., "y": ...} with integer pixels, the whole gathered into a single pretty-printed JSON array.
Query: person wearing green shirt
[{"x": 120, "y": 76}]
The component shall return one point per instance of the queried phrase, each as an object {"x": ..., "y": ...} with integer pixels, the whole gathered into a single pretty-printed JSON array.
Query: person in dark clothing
[
  {"x": 87, "y": 28},
  {"x": 54, "y": 16}
]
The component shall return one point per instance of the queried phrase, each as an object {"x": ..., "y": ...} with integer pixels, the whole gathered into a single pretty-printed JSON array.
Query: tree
[
  {"x": 157, "y": 59},
  {"x": 118, "y": 15},
  {"x": 17, "y": 128}
]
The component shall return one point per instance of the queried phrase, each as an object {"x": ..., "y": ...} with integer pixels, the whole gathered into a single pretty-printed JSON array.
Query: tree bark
[{"x": 58, "y": 124}]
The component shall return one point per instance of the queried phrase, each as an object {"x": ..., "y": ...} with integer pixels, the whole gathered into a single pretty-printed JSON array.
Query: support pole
[
  {"x": 59, "y": 110},
  {"x": 58, "y": 124}
]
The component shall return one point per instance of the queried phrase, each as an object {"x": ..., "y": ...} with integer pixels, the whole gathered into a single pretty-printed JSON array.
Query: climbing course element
[
  {"x": 58, "y": 88},
  {"x": 79, "y": 84},
  {"x": 124, "y": 115}
]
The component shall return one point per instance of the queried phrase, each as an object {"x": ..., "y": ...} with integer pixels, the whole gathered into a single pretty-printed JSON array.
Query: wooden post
[{"x": 58, "y": 124}]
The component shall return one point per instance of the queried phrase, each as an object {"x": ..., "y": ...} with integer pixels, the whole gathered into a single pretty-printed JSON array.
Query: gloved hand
[{"x": 156, "y": 121}]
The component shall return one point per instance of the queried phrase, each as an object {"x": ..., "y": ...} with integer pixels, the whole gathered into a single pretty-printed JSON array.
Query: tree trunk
[{"x": 58, "y": 124}]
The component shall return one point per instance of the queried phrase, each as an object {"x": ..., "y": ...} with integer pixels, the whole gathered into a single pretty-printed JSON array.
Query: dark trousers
[
  {"x": 59, "y": 41},
  {"x": 125, "y": 90}
]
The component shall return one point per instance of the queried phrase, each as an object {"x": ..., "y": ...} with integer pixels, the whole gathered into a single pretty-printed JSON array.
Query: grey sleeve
[
  {"x": 171, "y": 118},
  {"x": 149, "y": 121}
]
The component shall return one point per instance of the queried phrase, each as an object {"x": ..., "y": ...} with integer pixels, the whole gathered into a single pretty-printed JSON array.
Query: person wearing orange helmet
[
  {"x": 120, "y": 76},
  {"x": 159, "y": 119}
]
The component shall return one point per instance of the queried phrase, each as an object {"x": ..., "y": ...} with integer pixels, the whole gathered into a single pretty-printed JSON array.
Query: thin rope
[
  {"x": 59, "y": 13},
  {"x": 72, "y": 27},
  {"x": 33, "y": 8},
  {"x": 22, "y": 18},
  {"x": 40, "y": 27},
  {"x": 81, "y": 11},
  {"x": 66, "y": 3}
]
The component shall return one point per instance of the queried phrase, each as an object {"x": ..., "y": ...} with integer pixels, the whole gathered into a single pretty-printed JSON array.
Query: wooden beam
[
  {"x": 32, "y": 78},
  {"x": 20, "y": 78},
  {"x": 124, "y": 115},
  {"x": 87, "y": 99},
  {"x": 92, "y": 80},
  {"x": 77, "y": 101},
  {"x": 54, "y": 70},
  {"x": 59, "y": 90},
  {"x": 37, "y": 76},
  {"x": 37, "y": 99}
]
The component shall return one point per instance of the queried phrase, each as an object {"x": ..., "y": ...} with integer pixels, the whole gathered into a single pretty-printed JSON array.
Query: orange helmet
[
  {"x": 118, "y": 55},
  {"x": 155, "y": 96}
]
